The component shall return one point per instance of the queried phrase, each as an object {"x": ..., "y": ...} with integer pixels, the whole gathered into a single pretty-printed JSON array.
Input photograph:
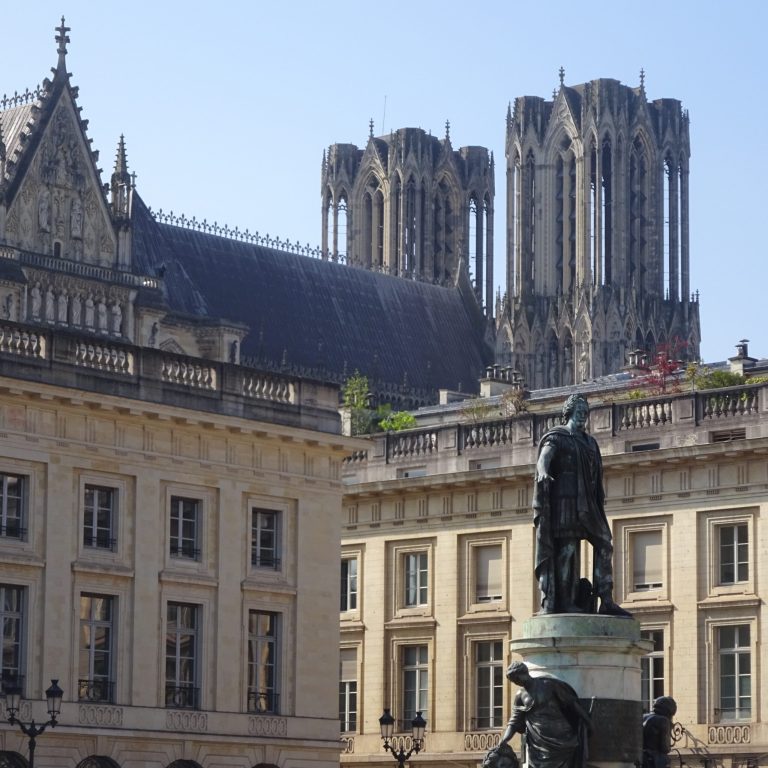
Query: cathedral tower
[
  {"x": 410, "y": 205},
  {"x": 598, "y": 256}
]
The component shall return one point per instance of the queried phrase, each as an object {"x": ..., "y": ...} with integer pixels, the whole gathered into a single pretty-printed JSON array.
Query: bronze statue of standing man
[{"x": 568, "y": 507}]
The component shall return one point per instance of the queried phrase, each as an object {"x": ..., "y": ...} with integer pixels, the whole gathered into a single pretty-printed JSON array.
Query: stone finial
[
  {"x": 642, "y": 80},
  {"x": 370, "y": 128},
  {"x": 561, "y": 74},
  {"x": 62, "y": 38},
  {"x": 447, "y": 130}
]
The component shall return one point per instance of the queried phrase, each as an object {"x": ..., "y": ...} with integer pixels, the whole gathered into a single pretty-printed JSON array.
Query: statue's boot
[{"x": 610, "y": 608}]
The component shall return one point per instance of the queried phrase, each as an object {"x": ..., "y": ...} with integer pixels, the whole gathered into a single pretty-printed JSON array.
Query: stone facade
[
  {"x": 168, "y": 517},
  {"x": 437, "y": 528}
]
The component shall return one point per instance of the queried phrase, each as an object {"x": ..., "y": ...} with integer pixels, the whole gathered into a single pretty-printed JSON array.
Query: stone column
[{"x": 599, "y": 656}]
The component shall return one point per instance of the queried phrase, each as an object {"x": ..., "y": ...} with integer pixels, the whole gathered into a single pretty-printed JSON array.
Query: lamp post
[
  {"x": 418, "y": 726},
  {"x": 12, "y": 701}
]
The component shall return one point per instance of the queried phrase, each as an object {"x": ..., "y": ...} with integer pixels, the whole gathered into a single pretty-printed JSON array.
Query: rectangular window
[
  {"x": 735, "y": 658},
  {"x": 12, "y": 513},
  {"x": 265, "y": 538},
  {"x": 734, "y": 553},
  {"x": 646, "y": 561},
  {"x": 96, "y": 649},
  {"x": 99, "y": 528},
  {"x": 181, "y": 656},
  {"x": 348, "y": 690},
  {"x": 185, "y": 528},
  {"x": 262, "y": 662},
  {"x": 489, "y": 684},
  {"x": 416, "y": 578},
  {"x": 652, "y": 669},
  {"x": 415, "y": 683},
  {"x": 349, "y": 584},
  {"x": 12, "y": 621},
  {"x": 488, "y": 574}
]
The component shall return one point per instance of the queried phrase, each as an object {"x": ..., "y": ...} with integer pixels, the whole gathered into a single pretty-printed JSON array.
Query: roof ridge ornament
[
  {"x": 370, "y": 128},
  {"x": 561, "y": 75},
  {"x": 447, "y": 130},
  {"x": 642, "y": 80},
  {"x": 62, "y": 38}
]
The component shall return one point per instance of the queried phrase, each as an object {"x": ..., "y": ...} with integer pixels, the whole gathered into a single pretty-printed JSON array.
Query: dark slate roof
[{"x": 313, "y": 313}]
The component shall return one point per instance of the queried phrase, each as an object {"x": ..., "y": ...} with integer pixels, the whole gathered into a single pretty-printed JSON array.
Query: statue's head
[
  {"x": 665, "y": 705},
  {"x": 517, "y": 672},
  {"x": 502, "y": 756},
  {"x": 570, "y": 406}
]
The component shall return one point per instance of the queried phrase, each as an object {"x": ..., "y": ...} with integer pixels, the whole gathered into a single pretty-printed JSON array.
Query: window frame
[
  {"x": 717, "y": 670},
  {"x": 734, "y": 546},
  {"x": 274, "y": 644},
  {"x": 421, "y": 670},
  {"x": 651, "y": 659},
  {"x": 90, "y": 533},
  {"x": 349, "y": 713},
  {"x": 625, "y": 553},
  {"x": 712, "y": 525},
  {"x": 275, "y": 562},
  {"x": 20, "y": 616},
  {"x": 23, "y": 506},
  {"x": 398, "y": 552},
  {"x": 474, "y": 603},
  {"x": 176, "y": 687},
  {"x": 90, "y": 683},
  {"x": 416, "y": 579},
  {"x": 350, "y": 593},
  {"x": 176, "y": 543},
  {"x": 494, "y": 665}
]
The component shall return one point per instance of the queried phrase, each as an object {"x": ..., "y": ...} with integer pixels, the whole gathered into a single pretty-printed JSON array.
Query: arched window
[
  {"x": 477, "y": 234},
  {"x": 638, "y": 213},
  {"x": 671, "y": 233},
  {"x": 606, "y": 213},
  {"x": 443, "y": 233},
  {"x": 340, "y": 253},
  {"x": 514, "y": 267}
]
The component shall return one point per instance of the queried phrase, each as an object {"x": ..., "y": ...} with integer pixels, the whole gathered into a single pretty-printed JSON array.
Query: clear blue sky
[{"x": 226, "y": 107}]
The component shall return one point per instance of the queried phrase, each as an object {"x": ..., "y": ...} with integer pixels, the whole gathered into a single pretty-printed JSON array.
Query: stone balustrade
[
  {"x": 158, "y": 375},
  {"x": 657, "y": 421}
]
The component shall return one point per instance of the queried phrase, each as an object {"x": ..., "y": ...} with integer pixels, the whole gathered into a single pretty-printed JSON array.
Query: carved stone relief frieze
[{"x": 58, "y": 209}]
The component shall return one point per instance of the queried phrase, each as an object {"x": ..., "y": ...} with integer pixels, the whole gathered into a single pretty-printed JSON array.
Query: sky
[{"x": 227, "y": 107}]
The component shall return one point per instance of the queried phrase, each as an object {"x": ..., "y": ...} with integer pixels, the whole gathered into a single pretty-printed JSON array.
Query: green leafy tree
[
  {"x": 357, "y": 399},
  {"x": 397, "y": 420}
]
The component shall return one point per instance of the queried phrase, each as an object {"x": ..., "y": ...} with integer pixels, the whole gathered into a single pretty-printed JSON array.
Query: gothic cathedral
[{"x": 597, "y": 251}]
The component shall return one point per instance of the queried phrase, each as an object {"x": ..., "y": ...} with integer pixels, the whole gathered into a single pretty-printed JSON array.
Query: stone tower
[
  {"x": 410, "y": 205},
  {"x": 597, "y": 233}
]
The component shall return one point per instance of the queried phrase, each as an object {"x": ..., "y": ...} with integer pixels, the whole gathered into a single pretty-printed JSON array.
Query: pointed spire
[
  {"x": 122, "y": 182},
  {"x": 447, "y": 130},
  {"x": 62, "y": 38},
  {"x": 642, "y": 80},
  {"x": 509, "y": 113},
  {"x": 370, "y": 129},
  {"x": 561, "y": 73},
  {"x": 121, "y": 160}
]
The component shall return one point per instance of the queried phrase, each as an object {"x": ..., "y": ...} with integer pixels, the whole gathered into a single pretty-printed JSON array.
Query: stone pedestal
[{"x": 600, "y": 657}]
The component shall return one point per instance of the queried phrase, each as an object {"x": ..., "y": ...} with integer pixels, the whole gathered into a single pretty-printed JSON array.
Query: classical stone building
[
  {"x": 437, "y": 565},
  {"x": 168, "y": 514},
  {"x": 598, "y": 258},
  {"x": 408, "y": 204}
]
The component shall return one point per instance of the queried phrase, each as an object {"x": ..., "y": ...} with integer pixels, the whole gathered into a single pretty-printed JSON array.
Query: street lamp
[
  {"x": 12, "y": 701},
  {"x": 418, "y": 726}
]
